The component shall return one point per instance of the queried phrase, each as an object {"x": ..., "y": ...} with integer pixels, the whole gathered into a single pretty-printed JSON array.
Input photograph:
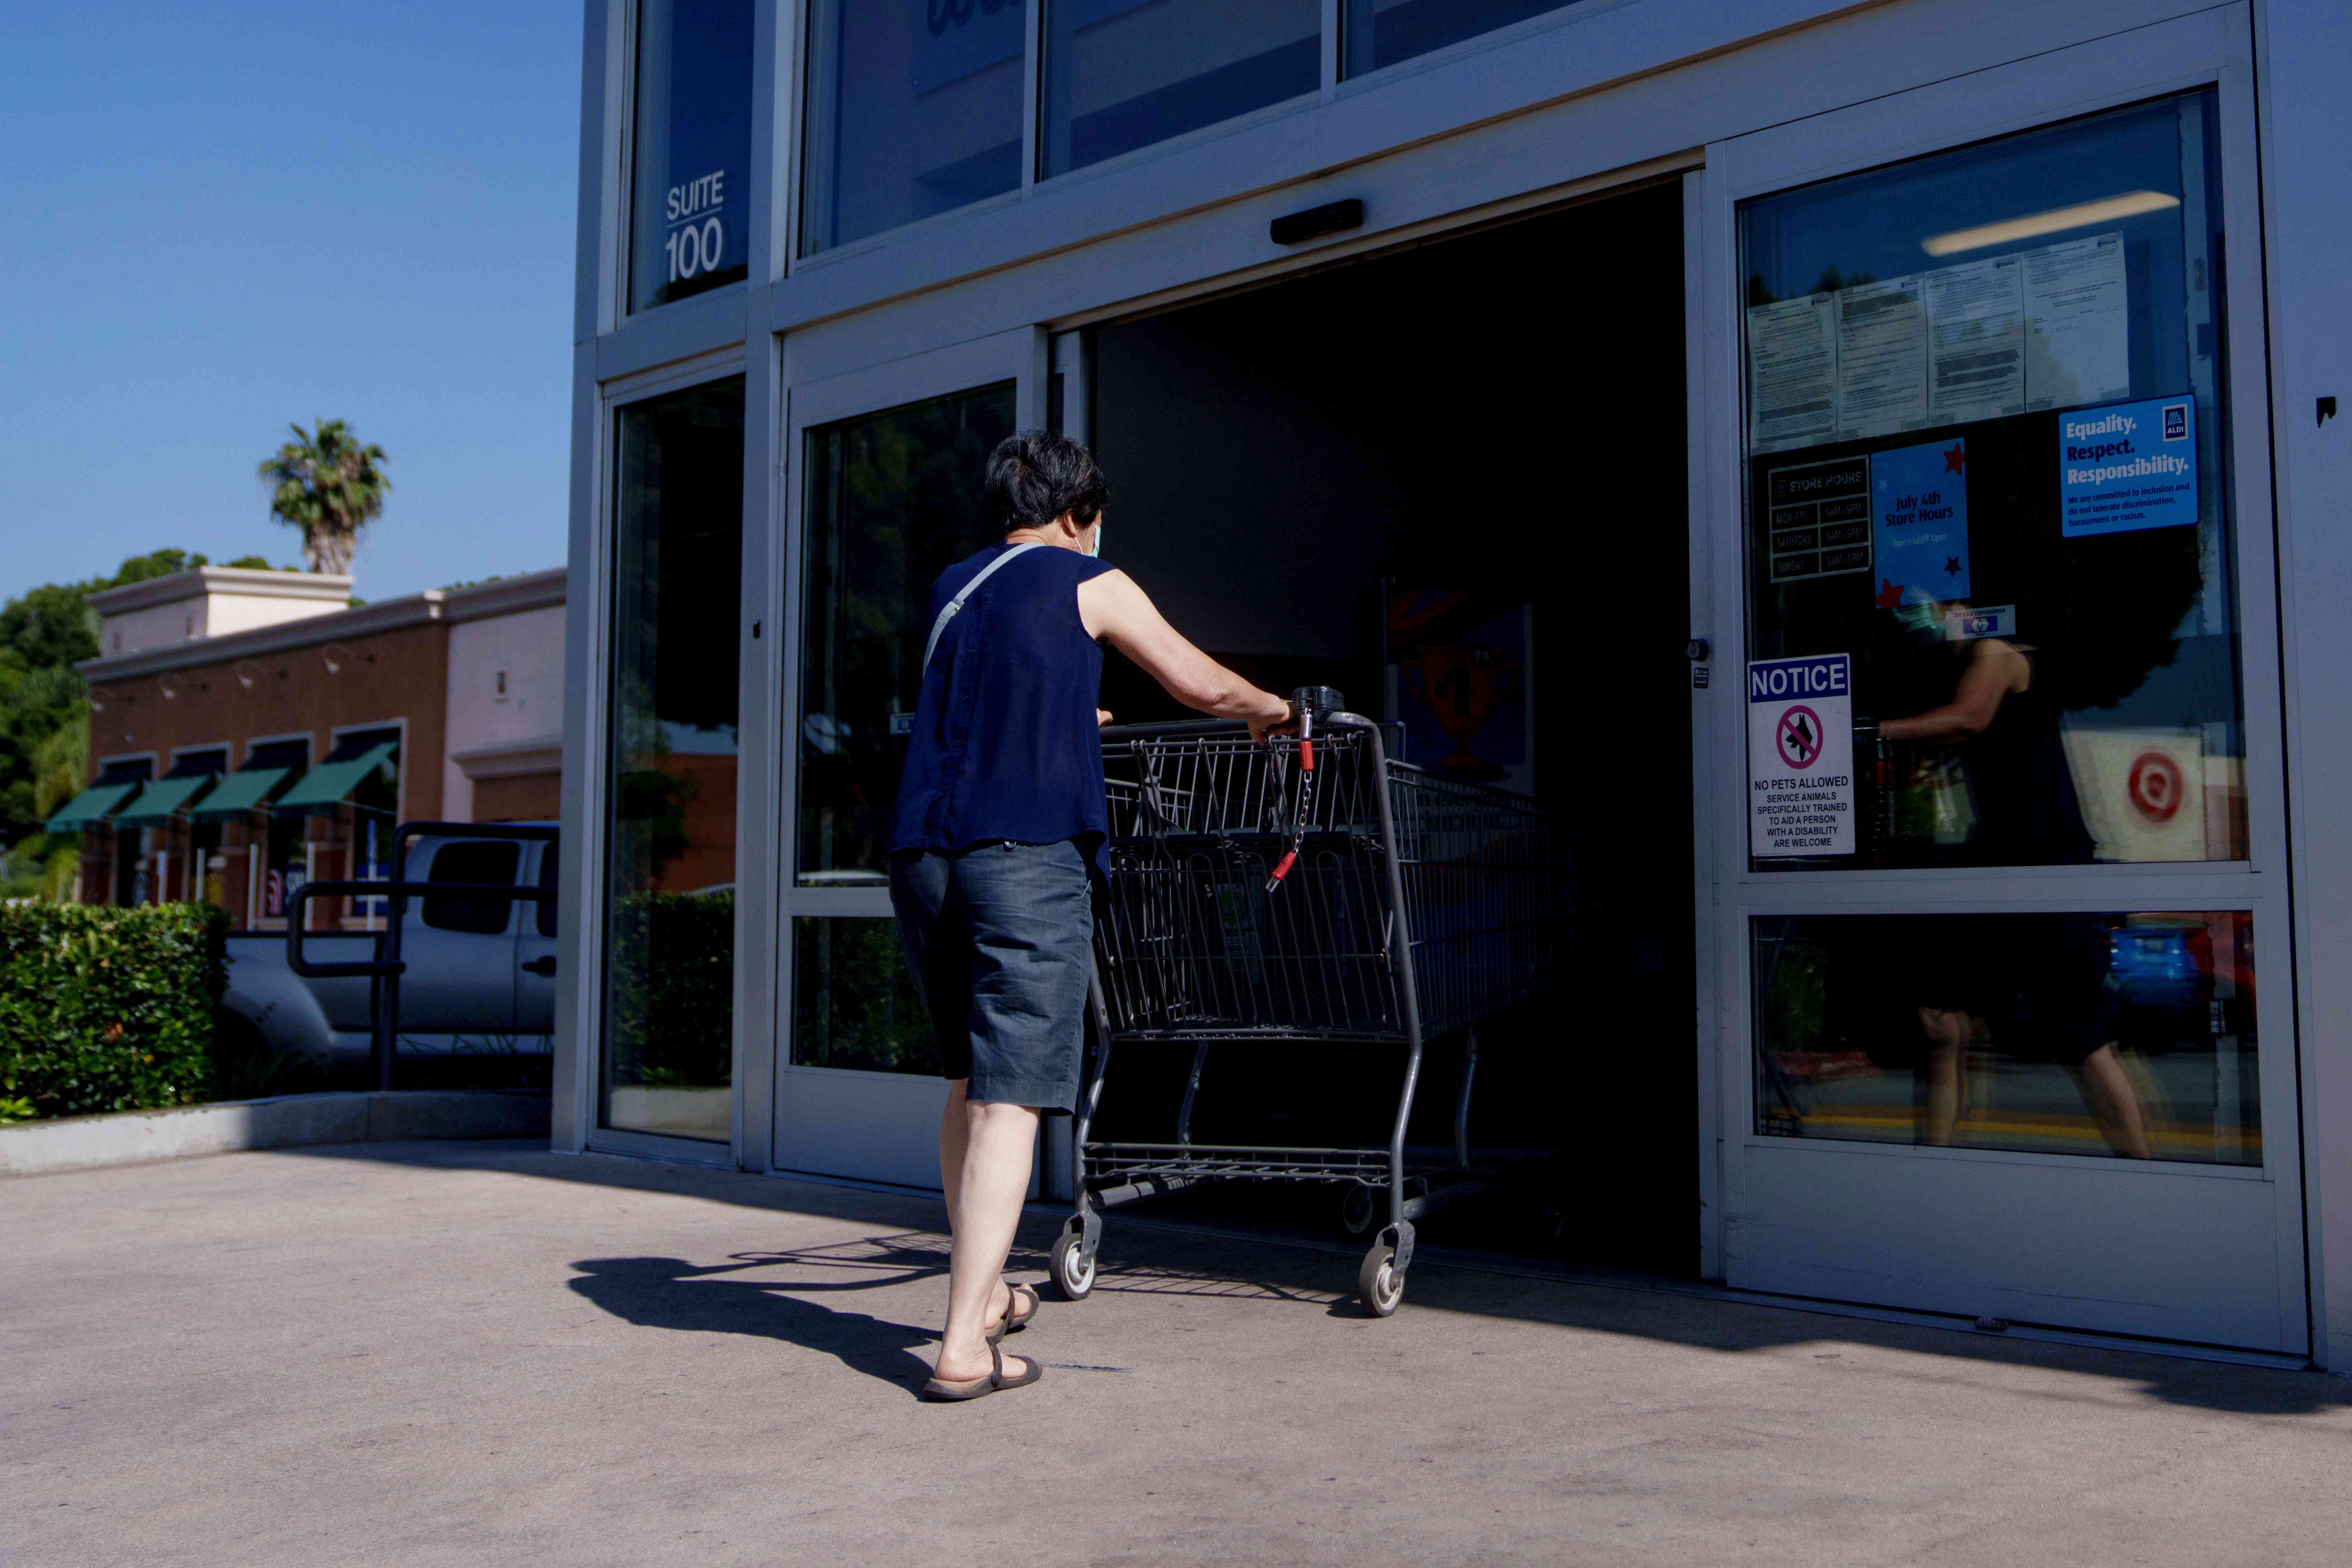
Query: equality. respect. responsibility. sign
[
  {"x": 1801, "y": 756},
  {"x": 2127, "y": 466}
]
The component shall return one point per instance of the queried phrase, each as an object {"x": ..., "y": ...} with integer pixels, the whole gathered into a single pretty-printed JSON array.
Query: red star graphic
[
  {"x": 1955, "y": 460},
  {"x": 1890, "y": 595}
]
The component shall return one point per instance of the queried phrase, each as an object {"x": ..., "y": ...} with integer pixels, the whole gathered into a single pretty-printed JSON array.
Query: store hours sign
[{"x": 1800, "y": 790}]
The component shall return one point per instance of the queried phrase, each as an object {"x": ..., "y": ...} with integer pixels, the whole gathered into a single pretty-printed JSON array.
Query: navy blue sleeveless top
[{"x": 1004, "y": 745}]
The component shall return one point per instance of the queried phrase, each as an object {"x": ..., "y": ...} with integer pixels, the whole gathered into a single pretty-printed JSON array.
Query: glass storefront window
[
  {"x": 1992, "y": 620},
  {"x": 689, "y": 229},
  {"x": 893, "y": 500},
  {"x": 2104, "y": 1035},
  {"x": 853, "y": 1002},
  {"x": 1123, "y": 74},
  {"x": 1382, "y": 32},
  {"x": 280, "y": 833},
  {"x": 913, "y": 109},
  {"x": 669, "y": 942}
]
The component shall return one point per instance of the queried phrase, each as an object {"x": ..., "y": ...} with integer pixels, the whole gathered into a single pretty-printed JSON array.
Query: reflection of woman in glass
[{"x": 2005, "y": 723}]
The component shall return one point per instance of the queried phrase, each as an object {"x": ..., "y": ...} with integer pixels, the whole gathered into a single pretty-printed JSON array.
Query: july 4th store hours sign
[{"x": 1801, "y": 756}]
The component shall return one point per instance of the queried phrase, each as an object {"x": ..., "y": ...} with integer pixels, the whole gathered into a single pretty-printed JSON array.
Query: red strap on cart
[{"x": 1305, "y": 799}]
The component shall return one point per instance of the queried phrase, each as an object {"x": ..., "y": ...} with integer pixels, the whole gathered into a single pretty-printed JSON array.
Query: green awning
[
  {"x": 89, "y": 806},
  {"x": 330, "y": 783},
  {"x": 161, "y": 799},
  {"x": 239, "y": 793}
]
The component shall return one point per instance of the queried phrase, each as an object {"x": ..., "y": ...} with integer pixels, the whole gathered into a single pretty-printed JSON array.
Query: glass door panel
[
  {"x": 2125, "y": 1035},
  {"x": 1990, "y": 881},
  {"x": 887, "y": 496},
  {"x": 669, "y": 792},
  {"x": 893, "y": 499},
  {"x": 1985, "y": 483},
  {"x": 854, "y": 999}
]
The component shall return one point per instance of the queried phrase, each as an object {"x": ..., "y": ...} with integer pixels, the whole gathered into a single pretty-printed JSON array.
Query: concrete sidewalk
[{"x": 487, "y": 1354}]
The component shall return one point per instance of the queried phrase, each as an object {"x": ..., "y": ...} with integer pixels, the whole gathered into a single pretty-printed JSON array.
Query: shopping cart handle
[
  {"x": 1316, "y": 700},
  {"x": 1173, "y": 729},
  {"x": 1328, "y": 714}
]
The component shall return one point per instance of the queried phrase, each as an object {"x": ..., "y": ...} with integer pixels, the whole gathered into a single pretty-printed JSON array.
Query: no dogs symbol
[{"x": 1799, "y": 735}]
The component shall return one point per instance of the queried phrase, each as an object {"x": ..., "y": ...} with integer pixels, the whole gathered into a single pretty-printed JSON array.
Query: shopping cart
[{"x": 1308, "y": 888}]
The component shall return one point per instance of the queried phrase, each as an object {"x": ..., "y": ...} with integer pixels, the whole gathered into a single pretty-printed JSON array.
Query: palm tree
[
  {"x": 60, "y": 768},
  {"x": 329, "y": 487},
  {"x": 61, "y": 760}
]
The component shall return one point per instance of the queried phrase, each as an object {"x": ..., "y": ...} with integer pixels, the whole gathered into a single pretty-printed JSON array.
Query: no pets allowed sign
[{"x": 1801, "y": 756}]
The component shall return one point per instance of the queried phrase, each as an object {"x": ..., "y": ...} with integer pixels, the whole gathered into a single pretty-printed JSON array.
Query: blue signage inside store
[
  {"x": 2127, "y": 466},
  {"x": 1919, "y": 499}
]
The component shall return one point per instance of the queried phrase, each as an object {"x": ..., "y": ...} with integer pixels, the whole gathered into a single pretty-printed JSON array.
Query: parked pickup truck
[{"x": 481, "y": 974}]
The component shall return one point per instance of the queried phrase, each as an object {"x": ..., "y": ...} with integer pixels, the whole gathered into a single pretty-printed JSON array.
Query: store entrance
[{"x": 1451, "y": 481}]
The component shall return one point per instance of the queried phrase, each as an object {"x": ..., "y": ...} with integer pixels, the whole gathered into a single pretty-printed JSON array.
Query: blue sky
[{"x": 224, "y": 218}]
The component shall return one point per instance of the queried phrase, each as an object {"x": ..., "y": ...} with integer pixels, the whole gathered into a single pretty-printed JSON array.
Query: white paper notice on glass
[
  {"x": 1793, "y": 372},
  {"x": 1975, "y": 340},
  {"x": 2077, "y": 323},
  {"x": 1881, "y": 344}
]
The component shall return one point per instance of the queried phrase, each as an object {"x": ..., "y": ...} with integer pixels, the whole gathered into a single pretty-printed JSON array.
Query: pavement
[{"x": 483, "y": 1353}]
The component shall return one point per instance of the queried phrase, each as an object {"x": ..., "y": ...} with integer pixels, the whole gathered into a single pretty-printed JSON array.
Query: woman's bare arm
[
  {"x": 1117, "y": 611},
  {"x": 1996, "y": 672}
]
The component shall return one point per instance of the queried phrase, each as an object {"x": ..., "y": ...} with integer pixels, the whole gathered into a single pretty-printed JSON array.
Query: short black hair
[{"x": 1035, "y": 476}]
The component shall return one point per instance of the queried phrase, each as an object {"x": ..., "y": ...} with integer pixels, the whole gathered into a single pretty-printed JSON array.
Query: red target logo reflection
[{"x": 2155, "y": 786}]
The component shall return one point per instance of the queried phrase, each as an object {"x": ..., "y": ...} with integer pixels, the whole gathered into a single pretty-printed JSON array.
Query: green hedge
[
  {"x": 107, "y": 1009},
  {"x": 672, "y": 966}
]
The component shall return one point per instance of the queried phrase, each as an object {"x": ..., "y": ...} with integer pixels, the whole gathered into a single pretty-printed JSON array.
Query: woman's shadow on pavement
[{"x": 671, "y": 1293}]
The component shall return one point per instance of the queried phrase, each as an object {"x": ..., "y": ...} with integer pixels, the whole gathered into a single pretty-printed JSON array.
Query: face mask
[
  {"x": 1094, "y": 546},
  {"x": 1919, "y": 622}
]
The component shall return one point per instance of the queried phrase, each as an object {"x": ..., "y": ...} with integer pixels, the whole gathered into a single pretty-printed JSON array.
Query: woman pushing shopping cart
[{"x": 1002, "y": 820}]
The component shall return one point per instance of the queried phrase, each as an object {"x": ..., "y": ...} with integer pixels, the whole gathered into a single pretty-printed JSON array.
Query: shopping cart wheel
[
  {"x": 1377, "y": 1284},
  {"x": 1356, "y": 1209},
  {"x": 1072, "y": 1266}
]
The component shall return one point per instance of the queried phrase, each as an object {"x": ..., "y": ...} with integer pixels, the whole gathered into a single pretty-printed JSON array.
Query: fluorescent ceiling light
[{"x": 2082, "y": 215}]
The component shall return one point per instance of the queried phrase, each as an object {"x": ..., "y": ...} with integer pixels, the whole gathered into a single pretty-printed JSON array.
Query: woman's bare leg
[
  {"x": 952, "y": 1146},
  {"x": 955, "y": 1136},
  {"x": 2115, "y": 1101},
  {"x": 991, "y": 1185},
  {"x": 1948, "y": 1060}
]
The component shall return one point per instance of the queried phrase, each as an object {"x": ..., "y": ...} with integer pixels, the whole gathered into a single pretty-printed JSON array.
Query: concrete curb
[{"x": 140, "y": 1137}]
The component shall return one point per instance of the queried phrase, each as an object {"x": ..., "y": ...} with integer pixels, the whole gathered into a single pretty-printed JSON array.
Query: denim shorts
[{"x": 1001, "y": 939}]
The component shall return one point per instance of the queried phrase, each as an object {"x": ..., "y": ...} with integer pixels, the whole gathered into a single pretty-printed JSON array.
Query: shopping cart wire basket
[{"x": 1306, "y": 888}]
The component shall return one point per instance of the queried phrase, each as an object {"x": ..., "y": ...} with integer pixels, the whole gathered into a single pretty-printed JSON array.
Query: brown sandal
[
  {"x": 940, "y": 1391},
  {"x": 1015, "y": 1319}
]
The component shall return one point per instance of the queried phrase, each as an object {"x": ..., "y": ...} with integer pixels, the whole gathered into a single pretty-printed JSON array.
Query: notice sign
[
  {"x": 1801, "y": 756},
  {"x": 2127, "y": 466}
]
